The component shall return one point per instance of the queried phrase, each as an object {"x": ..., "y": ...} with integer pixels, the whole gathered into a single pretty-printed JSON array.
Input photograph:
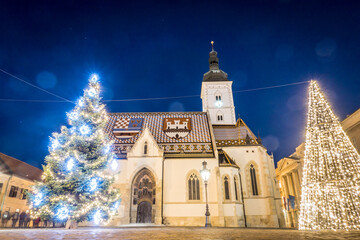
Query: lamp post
[{"x": 205, "y": 174}]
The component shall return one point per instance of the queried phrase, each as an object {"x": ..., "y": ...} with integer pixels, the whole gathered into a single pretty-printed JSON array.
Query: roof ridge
[
  {"x": 158, "y": 112},
  {"x": 20, "y": 168},
  {"x": 19, "y": 161},
  {"x": 249, "y": 130}
]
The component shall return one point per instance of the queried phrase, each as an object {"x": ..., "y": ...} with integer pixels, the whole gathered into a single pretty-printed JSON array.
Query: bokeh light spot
[
  {"x": 271, "y": 143},
  {"x": 46, "y": 80},
  {"x": 176, "y": 107}
]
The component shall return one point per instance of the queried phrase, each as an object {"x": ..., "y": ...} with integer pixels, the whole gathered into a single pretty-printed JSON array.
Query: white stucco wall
[
  {"x": 176, "y": 175},
  {"x": 208, "y": 92}
]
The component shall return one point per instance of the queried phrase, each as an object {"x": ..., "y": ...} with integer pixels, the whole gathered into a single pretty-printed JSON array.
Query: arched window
[
  {"x": 219, "y": 116},
  {"x": 218, "y": 102},
  {"x": 253, "y": 180},
  {"x": 145, "y": 148},
  {"x": 236, "y": 188},
  {"x": 194, "y": 187},
  {"x": 226, "y": 188}
]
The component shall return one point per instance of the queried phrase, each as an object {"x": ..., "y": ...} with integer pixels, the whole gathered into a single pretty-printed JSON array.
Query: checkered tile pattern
[{"x": 122, "y": 123}]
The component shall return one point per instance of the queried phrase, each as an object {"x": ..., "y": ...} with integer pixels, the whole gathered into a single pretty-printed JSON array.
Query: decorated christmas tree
[
  {"x": 331, "y": 176},
  {"x": 77, "y": 179}
]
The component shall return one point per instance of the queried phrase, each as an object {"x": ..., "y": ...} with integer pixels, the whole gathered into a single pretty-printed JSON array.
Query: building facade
[
  {"x": 289, "y": 171},
  {"x": 16, "y": 178},
  {"x": 160, "y": 156},
  {"x": 351, "y": 125}
]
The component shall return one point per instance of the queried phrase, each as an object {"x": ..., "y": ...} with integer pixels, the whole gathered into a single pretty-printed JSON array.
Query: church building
[{"x": 160, "y": 155}]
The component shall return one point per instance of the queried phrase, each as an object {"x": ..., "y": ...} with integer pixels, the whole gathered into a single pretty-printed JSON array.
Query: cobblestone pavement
[{"x": 172, "y": 233}]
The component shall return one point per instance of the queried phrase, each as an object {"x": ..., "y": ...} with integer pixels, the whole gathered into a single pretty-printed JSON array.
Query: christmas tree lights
[
  {"x": 38, "y": 198},
  {"x": 97, "y": 217},
  {"x": 62, "y": 212},
  {"x": 331, "y": 175},
  {"x": 84, "y": 130},
  {"x": 70, "y": 164},
  {"x": 114, "y": 164},
  {"x": 76, "y": 183}
]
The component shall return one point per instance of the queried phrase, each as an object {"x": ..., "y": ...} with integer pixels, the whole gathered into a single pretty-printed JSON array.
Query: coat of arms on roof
[
  {"x": 127, "y": 127},
  {"x": 177, "y": 127}
]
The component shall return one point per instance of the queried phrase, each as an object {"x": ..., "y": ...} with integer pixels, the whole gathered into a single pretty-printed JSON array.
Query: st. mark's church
[{"x": 161, "y": 155}]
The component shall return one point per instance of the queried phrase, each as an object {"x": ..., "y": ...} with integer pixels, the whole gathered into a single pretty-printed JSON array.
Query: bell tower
[{"x": 216, "y": 93}]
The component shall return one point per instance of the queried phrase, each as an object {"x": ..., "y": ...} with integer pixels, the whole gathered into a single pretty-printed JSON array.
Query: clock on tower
[{"x": 216, "y": 93}]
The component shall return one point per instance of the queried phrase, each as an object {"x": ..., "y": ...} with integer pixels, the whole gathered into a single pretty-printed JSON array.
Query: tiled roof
[
  {"x": 198, "y": 139},
  {"x": 238, "y": 134},
  {"x": 215, "y": 76},
  {"x": 19, "y": 168}
]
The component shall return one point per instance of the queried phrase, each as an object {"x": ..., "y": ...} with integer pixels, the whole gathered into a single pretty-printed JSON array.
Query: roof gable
[
  {"x": 153, "y": 150},
  {"x": 283, "y": 163}
]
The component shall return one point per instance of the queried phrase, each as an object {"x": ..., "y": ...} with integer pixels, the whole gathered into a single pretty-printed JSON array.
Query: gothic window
[
  {"x": 236, "y": 188},
  {"x": 219, "y": 117},
  {"x": 253, "y": 180},
  {"x": 218, "y": 97},
  {"x": 194, "y": 187},
  {"x": 226, "y": 188},
  {"x": 145, "y": 148}
]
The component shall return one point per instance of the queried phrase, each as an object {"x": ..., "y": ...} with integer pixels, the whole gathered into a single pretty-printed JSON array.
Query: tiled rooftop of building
[
  {"x": 10, "y": 165},
  {"x": 239, "y": 134},
  {"x": 175, "y": 132}
]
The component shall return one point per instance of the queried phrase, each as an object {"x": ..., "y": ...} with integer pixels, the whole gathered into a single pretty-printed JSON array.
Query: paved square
[{"x": 172, "y": 233}]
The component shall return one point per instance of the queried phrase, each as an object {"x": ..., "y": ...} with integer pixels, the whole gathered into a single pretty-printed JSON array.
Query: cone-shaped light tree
[
  {"x": 77, "y": 182},
  {"x": 331, "y": 175}
]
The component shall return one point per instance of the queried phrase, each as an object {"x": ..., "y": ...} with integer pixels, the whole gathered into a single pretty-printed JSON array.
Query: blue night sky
[{"x": 146, "y": 50}]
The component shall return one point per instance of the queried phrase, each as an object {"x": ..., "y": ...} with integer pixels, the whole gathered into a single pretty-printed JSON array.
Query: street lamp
[{"x": 205, "y": 174}]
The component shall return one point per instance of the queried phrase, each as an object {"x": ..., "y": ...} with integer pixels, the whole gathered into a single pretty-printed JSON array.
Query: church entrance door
[
  {"x": 143, "y": 197},
  {"x": 144, "y": 212}
]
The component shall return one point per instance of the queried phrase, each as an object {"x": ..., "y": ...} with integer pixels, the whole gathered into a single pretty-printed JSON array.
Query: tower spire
[
  {"x": 214, "y": 73},
  {"x": 216, "y": 93},
  {"x": 213, "y": 59}
]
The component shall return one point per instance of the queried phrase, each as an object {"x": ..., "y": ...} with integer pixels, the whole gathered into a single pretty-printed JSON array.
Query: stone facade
[
  {"x": 351, "y": 125},
  {"x": 289, "y": 175}
]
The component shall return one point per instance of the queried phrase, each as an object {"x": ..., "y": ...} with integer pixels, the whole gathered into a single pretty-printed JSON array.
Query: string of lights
[
  {"x": 331, "y": 181},
  {"x": 33, "y": 85},
  {"x": 150, "y": 99}
]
